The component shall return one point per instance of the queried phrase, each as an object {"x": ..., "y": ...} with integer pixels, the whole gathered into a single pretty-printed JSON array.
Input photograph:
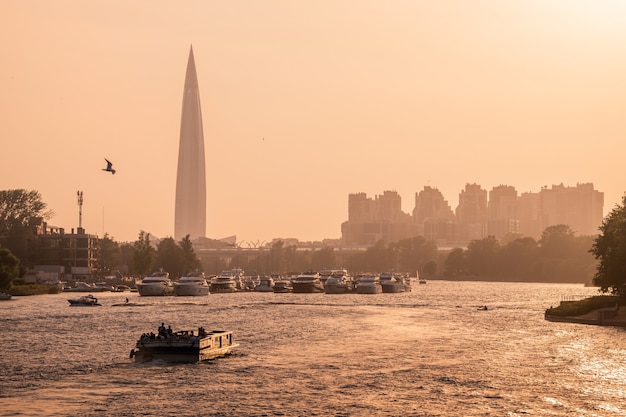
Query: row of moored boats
[{"x": 332, "y": 281}]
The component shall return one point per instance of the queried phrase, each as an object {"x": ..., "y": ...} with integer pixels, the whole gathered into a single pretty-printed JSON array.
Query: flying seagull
[{"x": 109, "y": 167}]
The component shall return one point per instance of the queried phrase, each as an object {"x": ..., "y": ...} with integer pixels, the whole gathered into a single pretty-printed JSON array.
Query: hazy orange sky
[{"x": 304, "y": 103}]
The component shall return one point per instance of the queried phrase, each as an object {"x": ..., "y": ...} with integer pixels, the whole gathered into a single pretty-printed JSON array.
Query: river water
[{"x": 430, "y": 352}]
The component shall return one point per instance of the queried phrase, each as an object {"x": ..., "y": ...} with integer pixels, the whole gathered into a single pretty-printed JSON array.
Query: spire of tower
[{"x": 190, "y": 209}]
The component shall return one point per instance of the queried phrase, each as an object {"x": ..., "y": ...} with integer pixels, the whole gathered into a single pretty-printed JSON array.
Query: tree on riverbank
[
  {"x": 9, "y": 268},
  {"x": 609, "y": 249},
  {"x": 560, "y": 256},
  {"x": 20, "y": 211}
]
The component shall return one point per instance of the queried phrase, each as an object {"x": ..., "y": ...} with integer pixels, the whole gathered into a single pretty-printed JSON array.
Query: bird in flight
[{"x": 109, "y": 167}]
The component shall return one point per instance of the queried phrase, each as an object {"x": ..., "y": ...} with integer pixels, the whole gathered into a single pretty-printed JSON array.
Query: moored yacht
[
  {"x": 394, "y": 283},
  {"x": 282, "y": 286},
  {"x": 266, "y": 284},
  {"x": 368, "y": 284},
  {"x": 193, "y": 284},
  {"x": 307, "y": 282},
  {"x": 80, "y": 286},
  {"x": 225, "y": 282},
  {"x": 339, "y": 282},
  {"x": 156, "y": 284},
  {"x": 325, "y": 274}
]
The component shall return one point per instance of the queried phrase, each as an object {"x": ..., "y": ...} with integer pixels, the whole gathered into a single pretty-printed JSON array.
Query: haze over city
[{"x": 305, "y": 103}]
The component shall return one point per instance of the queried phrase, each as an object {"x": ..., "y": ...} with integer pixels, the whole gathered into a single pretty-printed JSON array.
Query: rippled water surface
[{"x": 430, "y": 352}]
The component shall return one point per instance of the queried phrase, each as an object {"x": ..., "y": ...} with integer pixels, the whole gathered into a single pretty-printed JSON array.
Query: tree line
[{"x": 558, "y": 256}]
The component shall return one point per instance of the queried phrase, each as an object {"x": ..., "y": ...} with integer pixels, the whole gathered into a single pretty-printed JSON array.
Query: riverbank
[
  {"x": 601, "y": 317},
  {"x": 599, "y": 310}
]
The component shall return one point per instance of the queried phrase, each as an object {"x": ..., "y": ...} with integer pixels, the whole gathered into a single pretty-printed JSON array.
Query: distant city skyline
[
  {"x": 499, "y": 212},
  {"x": 305, "y": 103}
]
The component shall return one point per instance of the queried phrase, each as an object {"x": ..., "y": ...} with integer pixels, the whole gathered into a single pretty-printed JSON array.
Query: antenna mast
[{"x": 79, "y": 194}]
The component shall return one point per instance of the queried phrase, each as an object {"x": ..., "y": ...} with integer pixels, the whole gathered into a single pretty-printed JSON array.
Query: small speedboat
[
  {"x": 5, "y": 296},
  {"x": 84, "y": 301}
]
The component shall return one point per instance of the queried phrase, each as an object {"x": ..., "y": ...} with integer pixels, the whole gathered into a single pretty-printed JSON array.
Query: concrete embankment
[{"x": 602, "y": 317}]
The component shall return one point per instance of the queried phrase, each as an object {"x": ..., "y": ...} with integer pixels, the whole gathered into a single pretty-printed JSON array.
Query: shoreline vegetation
[
  {"x": 601, "y": 310},
  {"x": 33, "y": 289}
]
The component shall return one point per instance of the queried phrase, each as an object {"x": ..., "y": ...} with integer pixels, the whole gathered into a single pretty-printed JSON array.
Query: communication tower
[{"x": 79, "y": 194}]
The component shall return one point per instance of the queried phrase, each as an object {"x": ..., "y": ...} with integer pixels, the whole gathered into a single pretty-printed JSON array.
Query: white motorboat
[
  {"x": 339, "y": 282},
  {"x": 307, "y": 282},
  {"x": 223, "y": 283},
  {"x": 156, "y": 284},
  {"x": 325, "y": 274},
  {"x": 5, "y": 296},
  {"x": 194, "y": 284},
  {"x": 394, "y": 283},
  {"x": 80, "y": 286},
  {"x": 84, "y": 301},
  {"x": 368, "y": 284}
]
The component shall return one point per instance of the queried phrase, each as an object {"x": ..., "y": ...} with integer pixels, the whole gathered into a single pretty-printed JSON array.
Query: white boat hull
[
  {"x": 150, "y": 290},
  {"x": 191, "y": 290}
]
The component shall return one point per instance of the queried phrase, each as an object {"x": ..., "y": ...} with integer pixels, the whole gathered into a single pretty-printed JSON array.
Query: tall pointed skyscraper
[{"x": 190, "y": 210}]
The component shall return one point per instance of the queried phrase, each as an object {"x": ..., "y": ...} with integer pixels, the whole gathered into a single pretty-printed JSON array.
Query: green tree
[
  {"x": 20, "y": 211},
  {"x": 609, "y": 249},
  {"x": 379, "y": 258},
  {"x": 9, "y": 268},
  {"x": 143, "y": 255},
  {"x": 190, "y": 259},
  {"x": 413, "y": 253},
  {"x": 481, "y": 257},
  {"x": 277, "y": 257},
  {"x": 170, "y": 257},
  {"x": 519, "y": 257},
  {"x": 127, "y": 254},
  {"x": 455, "y": 262},
  {"x": 430, "y": 268},
  {"x": 323, "y": 258},
  {"x": 557, "y": 241},
  {"x": 296, "y": 261},
  {"x": 110, "y": 254}
]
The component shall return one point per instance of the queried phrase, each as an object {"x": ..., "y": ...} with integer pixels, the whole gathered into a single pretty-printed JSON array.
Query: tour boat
[{"x": 183, "y": 345}]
